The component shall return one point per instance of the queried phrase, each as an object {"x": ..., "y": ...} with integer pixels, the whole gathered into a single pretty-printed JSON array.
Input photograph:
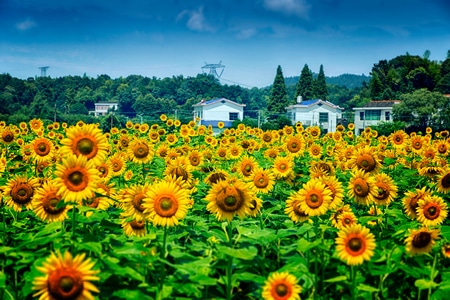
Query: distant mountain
[{"x": 349, "y": 81}]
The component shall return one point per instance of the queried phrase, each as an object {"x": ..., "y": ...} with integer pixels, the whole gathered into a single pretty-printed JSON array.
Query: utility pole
[{"x": 259, "y": 119}]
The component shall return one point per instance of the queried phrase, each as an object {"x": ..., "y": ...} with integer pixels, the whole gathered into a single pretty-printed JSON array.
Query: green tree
[
  {"x": 423, "y": 108},
  {"x": 305, "y": 85},
  {"x": 278, "y": 100},
  {"x": 320, "y": 85}
]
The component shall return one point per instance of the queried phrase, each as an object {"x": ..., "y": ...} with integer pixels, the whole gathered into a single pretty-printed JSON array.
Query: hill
[{"x": 349, "y": 81}]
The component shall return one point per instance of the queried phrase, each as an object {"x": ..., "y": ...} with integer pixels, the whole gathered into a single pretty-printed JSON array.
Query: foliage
[
  {"x": 386, "y": 128},
  {"x": 278, "y": 100},
  {"x": 320, "y": 85},
  {"x": 423, "y": 108},
  {"x": 305, "y": 85},
  {"x": 276, "y": 124}
]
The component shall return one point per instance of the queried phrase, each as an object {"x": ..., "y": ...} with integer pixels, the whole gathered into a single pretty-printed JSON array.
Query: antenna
[
  {"x": 43, "y": 71},
  {"x": 213, "y": 69}
]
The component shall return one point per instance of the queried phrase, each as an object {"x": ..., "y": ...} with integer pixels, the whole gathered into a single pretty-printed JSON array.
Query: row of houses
[{"x": 316, "y": 112}]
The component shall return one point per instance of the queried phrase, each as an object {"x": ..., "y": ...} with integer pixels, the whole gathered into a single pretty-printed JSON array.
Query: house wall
[
  {"x": 218, "y": 111},
  {"x": 309, "y": 116},
  {"x": 361, "y": 124},
  {"x": 101, "y": 109}
]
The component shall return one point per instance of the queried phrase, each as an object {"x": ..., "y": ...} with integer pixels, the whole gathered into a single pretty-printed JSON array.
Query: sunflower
[
  {"x": 246, "y": 165},
  {"x": 117, "y": 162},
  {"x": 315, "y": 151},
  {"x": 281, "y": 286},
  {"x": 398, "y": 139},
  {"x": 235, "y": 151},
  {"x": 411, "y": 199},
  {"x": 355, "y": 244},
  {"x": 36, "y": 125},
  {"x": 421, "y": 241},
  {"x": 7, "y": 136},
  {"x": 180, "y": 167},
  {"x": 283, "y": 167},
  {"x": 294, "y": 211},
  {"x": 131, "y": 226},
  {"x": 314, "y": 131},
  {"x": 140, "y": 151},
  {"x": 443, "y": 185},
  {"x": 43, "y": 149},
  {"x": 255, "y": 206},
  {"x": 295, "y": 145},
  {"x": 346, "y": 219},
  {"x": 442, "y": 147},
  {"x": 76, "y": 178},
  {"x": 314, "y": 197},
  {"x": 105, "y": 170},
  {"x": 228, "y": 198},
  {"x": 19, "y": 191},
  {"x": 263, "y": 180},
  {"x": 417, "y": 144},
  {"x": 361, "y": 187},
  {"x": 124, "y": 141},
  {"x": 133, "y": 200},
  {"x": 88, "y": 141},
  {"x": 101, "y": 199},
  {"x": 222, "y": 153},
  {"x": 166, "y": 203},
  {"x": 366, "y": 159},
  {"x": 195, "y": 158},
  {"x": 334, "y": 217},
  {"x": 337, "y": 191},
  {"x": 215, "y": 176},
  {"x": 66, "y": 277},
  {"x": 45, "y": 203},
  {"x": 385, "y": 189},
  {"x": 431, "y": 210},
  {"x": 446, "y": 250}
]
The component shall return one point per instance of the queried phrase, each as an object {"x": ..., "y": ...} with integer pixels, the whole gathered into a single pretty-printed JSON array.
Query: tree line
[{"x": 71, "y": 98}]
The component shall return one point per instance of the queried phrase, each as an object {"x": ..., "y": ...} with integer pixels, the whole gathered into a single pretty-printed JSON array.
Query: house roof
[
  {"x": 308, "y": 103},
  {"x": 378, "y": 104},
  {"x": 216, "y": 100}
]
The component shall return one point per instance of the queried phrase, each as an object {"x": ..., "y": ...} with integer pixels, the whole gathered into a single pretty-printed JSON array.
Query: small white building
[
  {"x": 103, "y": 108},
  {"x": 373, "y": 113},
  {"x": 218, "y": 110},
  {"x": 315, "y": 112}
]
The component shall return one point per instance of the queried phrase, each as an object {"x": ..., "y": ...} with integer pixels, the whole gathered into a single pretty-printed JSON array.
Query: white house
[
  {"x": 103, "y": 108},
  {"x": 373, "y": 113},
  {"x": 218, "y": 110},
  {"x": 315, "y": 112}
]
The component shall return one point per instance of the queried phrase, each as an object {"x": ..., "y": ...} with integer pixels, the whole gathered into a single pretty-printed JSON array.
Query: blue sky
[{"x": 177, "y": 37}]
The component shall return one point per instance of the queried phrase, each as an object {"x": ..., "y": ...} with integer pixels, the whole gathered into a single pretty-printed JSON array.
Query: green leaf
[
  {"x": 423, "y": 284},
  {"x": 336, "y": 279},
  {"x": 2, "y": 280},
  {"x": 304, "y": 245},
  {"x": 367, "y": 288},
  {"x": 91, "y": 246},
  {"x": 242, "y": 253}
]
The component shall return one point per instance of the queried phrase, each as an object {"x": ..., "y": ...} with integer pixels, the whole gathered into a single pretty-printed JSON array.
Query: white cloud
[
  {"x": 26, "y": 25},
  {"x": 196, "y": 20},
  {"x": 246, "y": 33},
  {"x": 297, "y": 8}
]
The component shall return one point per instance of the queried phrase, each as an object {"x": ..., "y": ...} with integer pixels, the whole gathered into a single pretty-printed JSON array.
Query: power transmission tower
[
  {"x": 43, "y": 71},
  {"x": 213, "y": 69}
]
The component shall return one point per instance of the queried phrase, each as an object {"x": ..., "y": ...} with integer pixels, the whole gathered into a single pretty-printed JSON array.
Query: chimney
[{"x": 299, "y": 99}]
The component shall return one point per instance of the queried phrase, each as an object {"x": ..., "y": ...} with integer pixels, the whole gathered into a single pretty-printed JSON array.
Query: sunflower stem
[
  {"x": 229, "y": 269},
  {"x": 163, "y": 256},
  {"x": 74, "y": 222},
  {"x": 432, "y": 275},
  {"x": 378, "y": 221},
  {"x": 353, "y": 280}
]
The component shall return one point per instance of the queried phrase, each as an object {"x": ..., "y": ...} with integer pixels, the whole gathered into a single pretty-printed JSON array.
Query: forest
[{"x": 71, "y": 98}]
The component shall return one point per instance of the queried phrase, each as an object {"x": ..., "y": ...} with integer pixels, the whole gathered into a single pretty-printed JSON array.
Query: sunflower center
[
  {"x": 42, "y": 149},
  {"x": 166, "y": 206},
  {"x": 8, "y": 136},
  {"x": 116, "y": 166},
  {"x": 314, "y": 199},
  {"x": 366, "y": 162},
  {"x": 356, "y": 245},
  {"x": 65, "y": 284},
  {"x": 261, "y": 181},
  {"x": 421, "y": 239},
  {"x": 283, "y": 167},
  {"x": 382, "y": 193},
  {"x": 180, "y": 172},
  {"x": 361, "y": 188},
  {"x": 137, "y": 202},
  {"x": 137, "y": 224},
  {"x": 50, "y": 202},
  {"x": 445, "y": 181},
  {"x": 22, "y": 193},
  {"x": 76, "y": 178},
  {"x": 281, "y": 289},
  {"x": 230, "y": 199},
  {"x": 431, "y": 211},
  {"x": 141, "y": 151},
  {"x": 85, "y": 146}
]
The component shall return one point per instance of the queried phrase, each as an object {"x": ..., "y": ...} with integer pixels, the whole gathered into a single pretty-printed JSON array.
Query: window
[
  {"x": 361, "y": 115},
  {"x": 234, "y": 116},
  {"x": 373, "y": 115},
  {"x": 323, "y": 117},
  {"x": 387, "y": 115}
]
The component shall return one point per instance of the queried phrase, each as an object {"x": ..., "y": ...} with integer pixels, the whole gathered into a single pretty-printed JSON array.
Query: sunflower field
[{"x": 173, "y": 211}]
